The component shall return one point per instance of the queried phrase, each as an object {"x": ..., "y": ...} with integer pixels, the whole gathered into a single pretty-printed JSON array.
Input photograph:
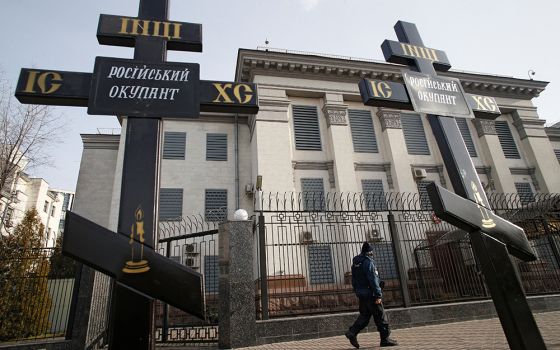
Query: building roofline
[{"x": 340, "y": 68}]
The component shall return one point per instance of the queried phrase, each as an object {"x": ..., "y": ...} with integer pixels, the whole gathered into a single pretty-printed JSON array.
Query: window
[
  {"x": 216, "y": 147},
  {"x": 414, "y": 135},
  {"x": 46, "y": 207},
  {"x": 66, "y": 201},
  {"x": 374, "y": 196},
  {"x": 464, "y": 129},
  {"x": 557, "y": 152},
  {"x": 525, "y": 192},
  {"x": 53, "y": 208},
  {"x": 174, "y": 145},
  {"x": 306, "y": 128},
  {"x": 385, "y": 260},
  {"x": 211, "y": 273},
  {"x": 425, "y": 203},
  {"x": 170, "y": 204},
  {"x": 313, "y": 194},
  {"x": 320, "y": 264},
  {"x": 215, "y": 205},
  {"x": 363, "y": 134},
  {"x": 506, "y": 140}
]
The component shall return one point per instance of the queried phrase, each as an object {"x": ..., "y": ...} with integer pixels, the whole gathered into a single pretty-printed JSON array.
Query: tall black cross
[
  {"x": 144, "y": 89},
  {"x": 491, "y": 236},
  {"x": 132, "y": 315}
]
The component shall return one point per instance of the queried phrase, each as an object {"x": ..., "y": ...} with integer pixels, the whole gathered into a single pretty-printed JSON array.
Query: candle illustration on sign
[
  {"x": 487, "y": 221},
  {"x": 137, "y": 229}
]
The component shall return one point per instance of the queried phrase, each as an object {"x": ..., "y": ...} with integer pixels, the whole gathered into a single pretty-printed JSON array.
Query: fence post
[
  {"x": 551, "y": 241},
  {"x": 399, "y": 259},
  {"x": 263, "y": 267},
  {"x": 165, "y": 322},
  {"x": 237, "y": 321}
]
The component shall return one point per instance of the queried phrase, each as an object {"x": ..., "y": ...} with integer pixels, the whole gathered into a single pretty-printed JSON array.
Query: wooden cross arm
[
  {"x": 381, "y": 93},
  {"x": 123, "y": 31},
  {"x": 111, "y": 252},
  {"x": 61, "y": 88},
  {"x": 469, "y": 216}
]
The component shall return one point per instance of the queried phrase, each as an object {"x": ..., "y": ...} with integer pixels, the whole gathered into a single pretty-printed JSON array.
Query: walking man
[{"x": 367, "y": 286}]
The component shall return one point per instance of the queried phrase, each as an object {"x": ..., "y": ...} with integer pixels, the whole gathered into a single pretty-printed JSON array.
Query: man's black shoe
[
  {"x": 353, "y": 340},
  {"x": 388, "y": 342}
]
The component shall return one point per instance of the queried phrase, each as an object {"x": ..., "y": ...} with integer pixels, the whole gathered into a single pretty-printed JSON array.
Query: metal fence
[
  {"x": 36, "y": 292},
  {"x": 97, "y": 335},
  {"x": 193, "y": 242},
  {"x": 306, "y": 241}
]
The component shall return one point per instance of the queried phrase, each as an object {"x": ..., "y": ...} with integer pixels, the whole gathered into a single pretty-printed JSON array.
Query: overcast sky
[{"x": 489, "y": 36}]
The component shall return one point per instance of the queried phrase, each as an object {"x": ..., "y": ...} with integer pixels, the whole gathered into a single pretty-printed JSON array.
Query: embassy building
[
  {"x": 313, "y": 132},
  {"x": 331, "y": 169}
]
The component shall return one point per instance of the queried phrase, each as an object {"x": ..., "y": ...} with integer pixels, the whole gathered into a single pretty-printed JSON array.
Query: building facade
[
  {"x": 313, "y": 135},
  {"x": 36, "y": 193}
]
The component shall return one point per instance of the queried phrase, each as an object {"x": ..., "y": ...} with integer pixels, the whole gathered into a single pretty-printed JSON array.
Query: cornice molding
[
  {"x": 255, "y": 62},
  {"x": 100, "y": 141},
  {"x": 553, "y": 133}
]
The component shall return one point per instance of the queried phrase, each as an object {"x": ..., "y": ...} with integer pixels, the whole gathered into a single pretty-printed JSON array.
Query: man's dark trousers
[{"x": 369, "y": 308}]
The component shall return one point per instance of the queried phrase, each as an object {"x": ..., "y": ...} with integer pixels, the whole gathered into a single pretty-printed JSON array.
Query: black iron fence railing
[
  {"x": 193, "y": 242},
  {"x": 305, "y": 244},
  {"x": 36, "y": 292}
]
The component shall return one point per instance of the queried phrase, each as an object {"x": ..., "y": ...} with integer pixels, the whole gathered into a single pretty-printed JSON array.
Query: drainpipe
[{"x": 236, "y": 132}]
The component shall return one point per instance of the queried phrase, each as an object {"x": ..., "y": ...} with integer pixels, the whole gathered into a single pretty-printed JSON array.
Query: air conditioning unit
[
  {"x": 306, "y": 237},
  {"x": 190, "y": 249},
  {"x": 249, "y": 189},
  {"x": 373, "y": 236},
  {"x": 419, "y": 173},
  {"x": 192, "y": 263}
]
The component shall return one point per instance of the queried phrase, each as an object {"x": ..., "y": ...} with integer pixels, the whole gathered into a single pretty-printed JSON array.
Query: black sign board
[
  {"x": 125, "y": 258},
  {"x": 437, "y": 95},
  {"x": 123, "y": 31},
  {"x": 131, "y": 87}
]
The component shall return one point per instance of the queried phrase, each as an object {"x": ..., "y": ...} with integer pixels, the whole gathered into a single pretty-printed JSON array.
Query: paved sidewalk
[{"x": 469, "y": 335}]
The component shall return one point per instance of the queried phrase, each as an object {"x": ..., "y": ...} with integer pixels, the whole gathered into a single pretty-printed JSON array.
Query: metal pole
[
  {"x": 399, "y": 259},
  {"x": 262, "y": 263},
  {"x": 551, "y": 241},
  {"x": 165, "y": 322}
]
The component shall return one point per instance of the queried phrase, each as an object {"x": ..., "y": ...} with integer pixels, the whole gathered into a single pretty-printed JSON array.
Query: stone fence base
[{"x": 320, "y": 326}]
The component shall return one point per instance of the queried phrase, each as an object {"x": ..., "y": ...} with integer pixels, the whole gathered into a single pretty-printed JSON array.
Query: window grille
[
  {"x": 170, "y": 204},
  {"x": 414, "y": 135},
  {"x": 174, "y": 145},
  {"x": 216, "y": 147},
  {"x": 363, "y": 133},
  {"x": 506, "y": 140},
  {"x": 306, "y": 128}
]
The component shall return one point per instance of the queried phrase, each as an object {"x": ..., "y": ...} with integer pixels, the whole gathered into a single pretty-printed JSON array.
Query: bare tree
[{"x": 26, "y": 131}]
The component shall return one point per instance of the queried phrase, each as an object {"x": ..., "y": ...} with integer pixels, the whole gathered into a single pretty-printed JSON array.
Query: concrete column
[
  {"x": 339, "y": 143},
  {"x": 237, "y": 323},
  {"x": 393, "y": 138},
  {"x": 271, "y": 131},
  {"x": 492, "y": 151},
  {"x": 539, "y": 152},
  {"x": 93, "y": 201}
]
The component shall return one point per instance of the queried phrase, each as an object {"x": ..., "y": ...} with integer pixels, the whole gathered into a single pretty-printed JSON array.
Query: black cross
[
  {"x": 129, "y": 256},
  {"x": 468, "y": 208}
]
